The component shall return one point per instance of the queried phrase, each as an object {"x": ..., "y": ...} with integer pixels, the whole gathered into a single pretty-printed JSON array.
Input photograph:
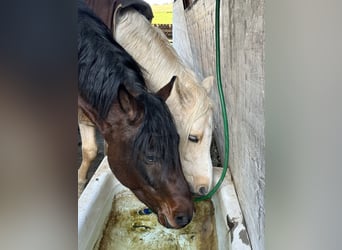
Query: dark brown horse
[{"x": 137, "y": 125}]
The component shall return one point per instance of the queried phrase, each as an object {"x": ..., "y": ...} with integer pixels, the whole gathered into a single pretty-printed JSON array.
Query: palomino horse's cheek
[{"x": 199, "y": 177}]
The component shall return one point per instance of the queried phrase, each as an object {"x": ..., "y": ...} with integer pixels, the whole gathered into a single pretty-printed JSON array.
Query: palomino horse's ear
[
  {"x": 208, "y": 83},
  {"x": 165, "y": 91},
  {"x": 93, "y": 115},
  {"x": 181, "y": 92}
]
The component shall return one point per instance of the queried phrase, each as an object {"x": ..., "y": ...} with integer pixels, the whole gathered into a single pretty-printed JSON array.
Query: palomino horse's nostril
[
  {"x": 203, "y": 190},
  {"x": 182, "y": 220}
]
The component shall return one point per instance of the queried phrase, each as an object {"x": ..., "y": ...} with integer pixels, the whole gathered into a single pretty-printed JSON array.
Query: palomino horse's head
[
  {"x": 192, "y": 110},
  {"x": 143, "y": 153}
]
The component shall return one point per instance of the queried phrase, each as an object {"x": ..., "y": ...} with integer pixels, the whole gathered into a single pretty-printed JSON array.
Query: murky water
[{"x": 126, "y": 229}]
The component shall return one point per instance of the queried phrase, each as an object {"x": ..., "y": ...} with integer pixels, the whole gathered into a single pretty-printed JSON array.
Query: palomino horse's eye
[{"x": 193, "y": 138}]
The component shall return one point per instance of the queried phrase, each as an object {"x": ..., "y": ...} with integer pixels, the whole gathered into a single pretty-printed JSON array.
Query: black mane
[{"x": 103, "y": 66}]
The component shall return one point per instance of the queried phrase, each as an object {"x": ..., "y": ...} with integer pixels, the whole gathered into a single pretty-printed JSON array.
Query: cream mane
[{"x": 133, "y": 25}]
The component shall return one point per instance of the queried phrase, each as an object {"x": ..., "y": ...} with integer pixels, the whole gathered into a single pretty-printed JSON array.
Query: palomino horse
[
  {"x": 137, "y": 125},
  {"x": 189, "y": 102}
]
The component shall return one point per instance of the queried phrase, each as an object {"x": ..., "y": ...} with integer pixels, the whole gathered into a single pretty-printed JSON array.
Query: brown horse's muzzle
[
  {"x": 177, "y": 222},
  {"x": 176, "y": 216}
]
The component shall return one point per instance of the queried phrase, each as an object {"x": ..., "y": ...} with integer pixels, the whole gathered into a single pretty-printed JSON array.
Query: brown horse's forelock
[{"x": 157, "y": 134}]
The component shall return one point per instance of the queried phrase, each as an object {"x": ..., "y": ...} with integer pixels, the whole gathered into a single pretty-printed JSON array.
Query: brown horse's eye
[
  {"x": 193, "y": 138},
  {"x": 150, "y": 159}
]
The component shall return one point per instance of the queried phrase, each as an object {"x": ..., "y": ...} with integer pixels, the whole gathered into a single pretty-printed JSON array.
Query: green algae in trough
[{"x": 128, "y": 229}]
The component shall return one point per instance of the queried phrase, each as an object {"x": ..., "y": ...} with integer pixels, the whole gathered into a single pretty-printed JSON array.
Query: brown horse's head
[{"x": 143, "y": 153}]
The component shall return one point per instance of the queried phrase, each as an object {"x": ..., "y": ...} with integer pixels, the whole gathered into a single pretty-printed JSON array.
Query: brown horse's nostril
[
  {"x": 203, "y": 190},
  {"x": 182, "y": 220}
]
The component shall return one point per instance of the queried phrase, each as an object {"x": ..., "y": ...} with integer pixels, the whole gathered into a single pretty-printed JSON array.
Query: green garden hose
[{"x": 223, "y": 106}]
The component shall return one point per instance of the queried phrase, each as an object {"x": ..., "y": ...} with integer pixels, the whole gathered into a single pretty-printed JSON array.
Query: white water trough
[{"x": 108, "y": 219}]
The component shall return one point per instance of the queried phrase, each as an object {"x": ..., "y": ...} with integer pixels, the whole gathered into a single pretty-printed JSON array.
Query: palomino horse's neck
[{"x": 136, "y": 34}]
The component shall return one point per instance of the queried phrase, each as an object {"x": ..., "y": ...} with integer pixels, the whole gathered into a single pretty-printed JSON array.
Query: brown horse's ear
[
  {"x": 165, "y": 91},
  {"x": 93, "y": 115},
  {"x": 128, "y": 103}
]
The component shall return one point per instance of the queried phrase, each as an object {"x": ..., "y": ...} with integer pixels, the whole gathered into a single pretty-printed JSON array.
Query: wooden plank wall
[
  {"x": 242, "y": 66},
  {"x": 180, "y": 37}
]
